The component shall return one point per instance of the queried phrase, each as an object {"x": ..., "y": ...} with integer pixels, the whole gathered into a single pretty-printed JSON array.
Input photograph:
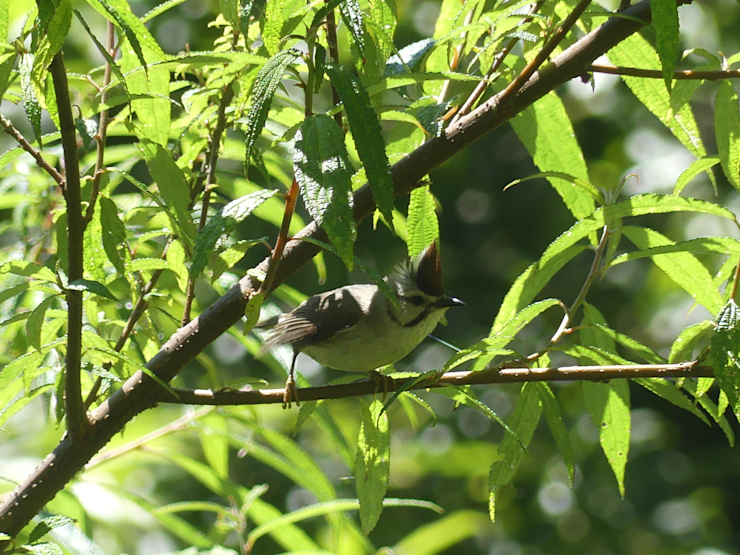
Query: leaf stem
[
  {"x": 10, "y": 129},
  {"x": 685, "y": 74},
  {"x": 210, "y": 183}
]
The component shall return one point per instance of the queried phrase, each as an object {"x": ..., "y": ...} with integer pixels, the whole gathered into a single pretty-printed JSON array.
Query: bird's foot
[
  {"x": 379, "y": 378},
  {"x": 291, "y": 393}
]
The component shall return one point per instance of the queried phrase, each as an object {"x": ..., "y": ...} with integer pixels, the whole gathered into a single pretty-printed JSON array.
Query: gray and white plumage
[{"x": 358, "y": 329}]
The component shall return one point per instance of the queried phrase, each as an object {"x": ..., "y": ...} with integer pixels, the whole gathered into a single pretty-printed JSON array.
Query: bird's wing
[{"x": 316, "y": 320}]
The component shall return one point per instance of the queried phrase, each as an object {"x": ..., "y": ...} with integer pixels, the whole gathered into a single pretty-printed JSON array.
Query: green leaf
[
  {"x": 114, "y": 235},
  {"x": 46, "y": 526},
  {"x": 682, "y": 267},
  {"x": 665, "y": 24},
  {"x": 36, "y": 321},
  {"x": 585, "y": 185},
  {"x": 725, "y": 353},
  {"x": 372, "y": 464},
  {"x": 267, "y": 80},
  {"x": 439, "y": 536},
  {"x": 323, "y": 173},
  {"x": 92, "y": 287},
  {"x": 668, "y": 391},
  {"x": 511, "y": 453},
  {"x": 95, "y": 258},
  {"x": 609, "y": 407},
  {"x": 223, "y": 224},
  {"x": 30, "y": 100},
  {"x": 703, "y": 245},
  {"x": 215, "y": 443},
  {"x": 559, "y": 432},
  {"x": 273, "y": 25},
  {"x": 548, "y": 135},
  {"x": 703, "y": 164},
  {"x": 352, "y": 17},
  {"x": 635, "y": 51},
  {"x": 464, "y": 395},
  {"x": 683, "y": 347},
  {"x": 366, "y": 133},
  {"x": 421, "y": 223},
  {"x": 171, "y": 183},
  {"x": 119, "y": 12},
  {"x": 727, "y": 131},
  {"x": 408, "y": 57},
  {"x": 53, "y": 32},
  {"x": 529, "y": 283}
]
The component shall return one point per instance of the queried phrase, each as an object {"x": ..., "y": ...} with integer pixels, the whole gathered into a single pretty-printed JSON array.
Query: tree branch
[
  {"x": 684, "y": 74},
  {"x": 10, "y": 129},
  {"x": 141, "y": 392},
  {"x": 491, "y": 376},
  {"x": 77, "y": 423}
]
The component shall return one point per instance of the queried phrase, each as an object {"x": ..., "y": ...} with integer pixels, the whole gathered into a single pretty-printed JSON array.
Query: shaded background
[{"x": 682, "y": 477}]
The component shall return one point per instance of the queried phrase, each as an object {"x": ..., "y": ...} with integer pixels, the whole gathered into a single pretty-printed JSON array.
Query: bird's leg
[
  {"x": 291, "y": 392},
  {"x": 378, "y": 377}
]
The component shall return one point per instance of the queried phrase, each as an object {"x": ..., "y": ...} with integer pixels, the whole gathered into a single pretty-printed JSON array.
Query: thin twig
[
  {"x": 10, "y": 129},
  {"x": 218, "y": 131},
  {"x": 102, "y": 130},
  {"x": 683, "y": 74},
  {"x": 77, "y": 423},
  {"x": 282, "y": 238},
  {"x": 174, "y": 426},
  {"x": 497, "y": 61},
  {"x": 491, "y": 376},
  {"x": 457, "y": 56},
  {"x": 511, "y": 90},
  {"x": 592, "y": 273}
]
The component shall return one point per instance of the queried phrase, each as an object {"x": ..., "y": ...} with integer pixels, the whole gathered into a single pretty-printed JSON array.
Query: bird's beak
[{"x": 446, "y": 302}]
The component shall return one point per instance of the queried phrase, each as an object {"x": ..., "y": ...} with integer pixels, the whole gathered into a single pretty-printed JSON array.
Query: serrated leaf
[
  {"x": 608, "y": 404},
  {"x": 323, "y": 173},
  {"x": 683, "y": 346},
  {"x": 267, "y": 80},
  {"x": 511, "y": 453},
  {"x": 35, "y": 322},
  {"x": 665, "y": 24},
  {"x": 701, "y": 165},
  {"x": 584, "y": 185},
  {"x": 672, "y": 394},
  {"x": 92, "y": 287},
  {"x": 727, "y": 131},
  {"x": 372, "y": 463},
  {"x": 28, "y": 95},
  {"x": 50, "y": 37},
  {"x": 635, "y": 51},
  {"x": 223, "y": 224},
  {"x": 725, "y": 353},
  {"x": 47, "y": 525},
  {"x": 352, "y": 17},
  {"x": 113, "y": 235},
  {"x": 559, "y": 432},
  {"x": 702, "y": 245},
  {"x": 171, "y": 183},
  {"x": 408, "y": 57},
  {"x": 545, "y": 130},
  {"x": 367, "y": 135},
  {"x": 87, "y": 128},
  {"x": 95, "y": 258},
  {"x": 682, "y": 267},
  {"x": 422, "y": 225}
]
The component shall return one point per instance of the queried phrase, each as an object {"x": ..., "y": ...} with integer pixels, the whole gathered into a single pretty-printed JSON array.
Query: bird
[{"x": 357, "y": 328}]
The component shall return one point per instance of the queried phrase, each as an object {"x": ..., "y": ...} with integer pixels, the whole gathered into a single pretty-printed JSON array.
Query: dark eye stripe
[{"x": 420, "y": 318}]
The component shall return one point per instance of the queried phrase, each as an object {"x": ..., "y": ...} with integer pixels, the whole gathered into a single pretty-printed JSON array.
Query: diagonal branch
[{"x": 141, "y": 392}]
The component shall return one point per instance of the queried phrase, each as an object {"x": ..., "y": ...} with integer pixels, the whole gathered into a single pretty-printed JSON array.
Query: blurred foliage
[{"x": 236, "y": 476}]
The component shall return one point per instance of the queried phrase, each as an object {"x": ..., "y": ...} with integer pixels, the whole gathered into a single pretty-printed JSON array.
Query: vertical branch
[
  {"x": 218, "y": 131},
  {"x": 102, "y": 129},
  {"x": 331, "y": 39},
  {"x": 77, "y": 423}
]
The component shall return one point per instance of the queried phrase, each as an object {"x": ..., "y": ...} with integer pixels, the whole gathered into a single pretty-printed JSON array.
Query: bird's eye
[{"x": 417, "y": 300}]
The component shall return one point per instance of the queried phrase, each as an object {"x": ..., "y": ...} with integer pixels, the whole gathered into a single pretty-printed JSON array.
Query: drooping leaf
[
  {"x": 421, "y": 223},
  {"x": 665, "y": 24},
  {"x": 548, "y": 135},
  {"x": 264, "y": 87},
  {"x": 92, "y": 287},
  {"x": 323, "y": 172},
  {"x": 368, "y": 137},
  {"x": 511, "y": 453},
  {"x": 554, "y": 418},
  {"x": 703, "y": 164},
  {"x": 372, "y": 464},
  {"x": 223, "y": 224},
  {"x": 726, "y": 353},
  {"x": 727, "y": 131}
]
